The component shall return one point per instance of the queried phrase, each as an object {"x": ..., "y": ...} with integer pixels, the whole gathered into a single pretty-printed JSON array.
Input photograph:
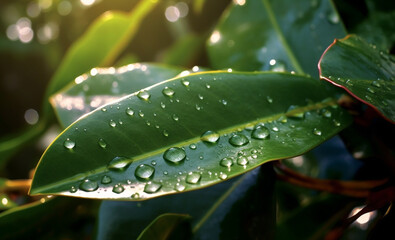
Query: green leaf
[
  {"x": 274, "y": 35},
  {"x": 164, "y": 226},
  {"x": 188, "y": 133},
  {"x": 36, "y": 218},
  {"x": 102, "y": 86},
  {"x": 362, "y": 70},
  {"x": 100, "y": 45}
]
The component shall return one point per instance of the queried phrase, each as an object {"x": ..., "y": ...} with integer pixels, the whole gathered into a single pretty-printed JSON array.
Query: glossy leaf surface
[
  {"x": 274, "y": 35},
  {"x": 100, "y": 45},
  {"x": 164, "y": 226},
  {"x": 102, "y": 86},
  {"x": 187, "y": 133},
  {"x": 362, "y": 70}
]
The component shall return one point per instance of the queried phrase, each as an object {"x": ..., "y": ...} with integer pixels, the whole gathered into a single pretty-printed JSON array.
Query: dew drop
[
  {"x": 333, "y": 17},
  {"x": 210, "y": 137},
  {"x": 168, "y": 92},
  {"x": 118, "y": 188},
  {"x": 104, "y": 109},
  {"x": 269, "y": 99},
  {"x": 141, "y": 114},
  {"x": 326, "y": 113},
  {"x": 317, "y": 132},
  {"x": 69, "y": 144},
  {"x": 238, "y": 140},
  {"x": 88, "y": 186},
  {"x": 165, "y": 133},
  {"x": 165, "y": 172},
  {"x": 174, "y": 155},
  {"x": 192, "y": 146},
  {"x": 226, "y": 162},
  {"x": 185, "y": 82},
  {"x": 179, "y": 187},
  {"x": 371, "y": 90},
  {"x": 282, "y": 119},
  {"x": 260, "y": 132},
  {"x": 162, "y": 105},
  {"x": 175, "y": 117},
  {"x": 222, "y": 176},
  {"x": 112, "y": 123},
  {"x": 223, "y": 101},
  {"x": 208, "y": 86},
  {"x": 292, "y": 113},
  {"x": 376, "y": 84},
  {"x": 153, "y": 163},
  {"x": 336, "y": 123},
  {"x": 193, "y": 177},
  {"x": 144, "y": 172},
  {"x": 242, "y": 160},
  {"x": 102, "y": 143},
  {"x": 349, "y": 82},
  {"x": 106, "y": 179},
  {"x": 135, "y": 195},
  {"x": 275, "y": 129},
  {"x": 119, "y": 164},
  {"x": 152, "y": 187},
  {"x": 73, "y": 189},
  {"x": 129, "y": 111},
  {"x": 143, "y": 95},
  {"x": 200, "y": 97},
  {"x": 198, "y": 107},
  {"x": 369, "y": 98}
]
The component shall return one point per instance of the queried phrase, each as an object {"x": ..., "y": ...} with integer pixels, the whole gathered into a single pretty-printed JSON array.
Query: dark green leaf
[
  {"x": 362, "y": 70},
  {"x": 187, "y": 133},
  {"x": 102, "y": 86},
  {"x": 274, "y": 35},
  {"x": 165, "y": 226},
  {"x": 100, "y": 45}
]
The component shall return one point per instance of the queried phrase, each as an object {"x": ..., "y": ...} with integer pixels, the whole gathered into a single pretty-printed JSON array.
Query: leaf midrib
[{"x": 281, "y": 36}]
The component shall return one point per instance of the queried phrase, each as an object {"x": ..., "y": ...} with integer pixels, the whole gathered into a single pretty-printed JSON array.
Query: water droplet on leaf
[
  {"x": 102, "y": 143},
  {"x": 129, "y": 111},
  {"x": 143, "y": 95},
  {"x": 192, "y": 146},
  {"x": 69, "y": 144},
  {"x": 119, "y": 164},
  {"x": 112, "y": 123},
  {"x": 144, "y": 172},
  {"x": 168, "y": 92},
  {"x": 242, "y": 160},
  {"x": 317, "y": 132},
  {"x": 174, "y": 155},
  {"x": 260, "y": 132},
  {"x": 152, "y": 187},
  {"x": 223, "y": 176},
  {"x": 210, "y": 137},
  {"x": 193, "y": 177},
  {"x": 118, "y": 188},
  {"x": 106, "y": 179},
  {"x": 238, "y": 140},
  {"x": 179, "y": 187},
  {"x": 89, "y": 186},
  {"x": 226, "y": 162}
]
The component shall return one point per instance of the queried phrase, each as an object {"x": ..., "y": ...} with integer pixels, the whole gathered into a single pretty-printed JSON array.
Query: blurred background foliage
[{"x": 36, "y": 34}]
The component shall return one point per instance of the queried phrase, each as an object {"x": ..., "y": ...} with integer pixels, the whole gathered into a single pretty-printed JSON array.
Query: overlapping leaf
[
  {"x": 362, "y": 70},
  {"x": 274, "y": 35},
  {"x": 102, "y": 86},
  {"x": 100, "y": 45},
  {"x": 187, "y": 133}
]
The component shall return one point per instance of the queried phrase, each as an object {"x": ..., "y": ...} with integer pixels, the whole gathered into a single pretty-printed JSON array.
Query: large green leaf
[
  {"x": 102, "y": 86},
  {"x": 274, "y": 35},
  {"x": 166, "y": 226},
  {"x": 187, "y": 133},
  {"x": 362, "y": 70},
  {"x": 100, "y": 45}
]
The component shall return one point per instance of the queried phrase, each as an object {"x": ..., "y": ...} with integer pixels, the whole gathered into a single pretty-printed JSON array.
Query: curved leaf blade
[
  {"x": 102, "y": 86},
  {"x": 274, "y": 35},
  {"x": 100, "y": 44},
  {"x": 363, "y": 71},
  {"x": 83, "y": 159},
  {"x": 164, "y": 225}
]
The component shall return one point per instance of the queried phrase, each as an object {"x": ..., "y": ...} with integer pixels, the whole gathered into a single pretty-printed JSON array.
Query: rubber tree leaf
[
  {"x": 188, "y": 133},
  {"x": 274, "y": 35},
  {"x": 100, "y": 45},
  {"x": 363, "y": 71},
  {"x": 166, "y": 225},
  {"x": 103, "y": 85}
]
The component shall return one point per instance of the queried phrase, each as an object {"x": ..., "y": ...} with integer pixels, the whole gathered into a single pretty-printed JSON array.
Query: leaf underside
[
  {"x": 139, "y": 129},
  {"x": 362, "y": 70}
]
